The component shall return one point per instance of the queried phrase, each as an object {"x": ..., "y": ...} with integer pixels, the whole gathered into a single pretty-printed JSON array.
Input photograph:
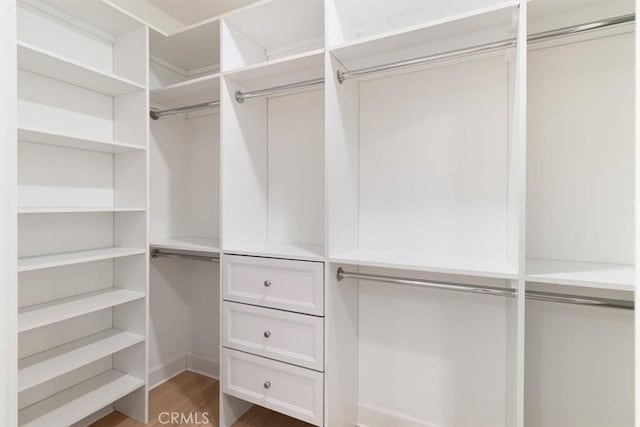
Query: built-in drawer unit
[
  {"x": 285, "y": 388},
  {"x": 281, "y": 335},
  {"x": 276, "y": 283}
]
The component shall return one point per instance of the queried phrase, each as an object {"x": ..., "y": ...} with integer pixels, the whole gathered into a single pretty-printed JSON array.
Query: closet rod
[
  {"x": 155, "y": 253},
  {"x": 491, "y": 290},
  {"x": 485, "y": 48},
  {"x": 242, "y": 96},
  {"x": 156, "y": 114}
]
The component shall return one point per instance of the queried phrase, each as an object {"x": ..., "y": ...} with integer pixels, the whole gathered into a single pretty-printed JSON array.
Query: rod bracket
[
  {"x": 154, "y": 252},
  {"x": 340, "y": 75},
  {"x": 239, "y": 97},
  {"x": 340, "y": 274},
  {"x": 153, "y": 115}
]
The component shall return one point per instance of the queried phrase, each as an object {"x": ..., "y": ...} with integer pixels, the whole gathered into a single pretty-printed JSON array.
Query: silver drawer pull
[
  {"x": 267, "y": 384},
  {"x": 267, "y": 283},
  {"x": 267, "y": 334}
]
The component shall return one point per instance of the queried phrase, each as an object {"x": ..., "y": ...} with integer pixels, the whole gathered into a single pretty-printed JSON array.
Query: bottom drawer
[{"x": 294, "y": 391}]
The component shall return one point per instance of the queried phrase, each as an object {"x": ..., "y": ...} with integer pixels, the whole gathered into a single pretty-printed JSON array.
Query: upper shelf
[
  {"x": 250, "y": 38},
  {"x": 49, "y": 64},
  {"x": 470, "y": 28},
  {"x": 189, "y": 92},
  {"x": 100, "y": 14},
  {"x": 290, "y": 69},
  {"x": 591, "y": 275}
]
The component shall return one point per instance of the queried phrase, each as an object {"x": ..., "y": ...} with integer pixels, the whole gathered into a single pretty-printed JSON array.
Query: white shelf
[
  {"x": 79, "y": 401},
  {"x": 43, "y": 136},
  {"x": 592, "y": 275},
  {"x": 188, "y": 244},
  {"x": 487, "y": 24},
  {"x": 49, "y": 64},
  {"x": 280, "y": 250},
  {"x": 56, "y": 311},
  {"x": 98, "y": 14},
  {"x": 188, "y": 92},
  {"x": 45, "y": 366},
  {"x": 69, "y": 258},
  {"x": 290, "y": 69},
  {"x": 56, "y": 210},
  {"x": 447, "y": 264}
]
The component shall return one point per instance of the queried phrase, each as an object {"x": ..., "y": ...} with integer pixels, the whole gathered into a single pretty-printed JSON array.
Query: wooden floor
[{"x": 190, "y": 393}]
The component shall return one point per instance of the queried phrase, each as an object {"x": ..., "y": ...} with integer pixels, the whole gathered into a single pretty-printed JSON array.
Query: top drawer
[{"x": 288, "y": 285}]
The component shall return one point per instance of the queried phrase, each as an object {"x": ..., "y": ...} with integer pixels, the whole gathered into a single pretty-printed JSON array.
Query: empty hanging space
[
  {"x": 580, "y": 148},
  {"x": 274, "y": 132},
  {"x": 580, "y": 213},
  {"x": 423, "y": 170},
  {"x": 408, "y": 348},
  {"x": 81, "y": 212}
]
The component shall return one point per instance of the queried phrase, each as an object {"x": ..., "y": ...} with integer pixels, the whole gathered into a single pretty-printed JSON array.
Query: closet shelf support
[
  {"x": 156, "y": 253},
  {"x": 486, "y": 48},
  {"x": 156, "y": 114},
  {"x": 491, "y": 290},
  {"x": 275, "y": 90}
]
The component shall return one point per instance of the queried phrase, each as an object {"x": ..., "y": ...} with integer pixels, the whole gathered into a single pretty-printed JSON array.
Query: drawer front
[
  {"x": 288, "y": 285},
  {"x": 287, "y": 389},
  {"x": 289, "y": 337}
]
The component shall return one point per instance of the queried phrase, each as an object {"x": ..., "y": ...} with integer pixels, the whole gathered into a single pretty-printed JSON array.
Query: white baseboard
[
  {"x": 203, "y": 366},
  {"x": 369, "y": 416},
  {"x": 167, "y": 371},
  {"x": 188, "y": 362}
]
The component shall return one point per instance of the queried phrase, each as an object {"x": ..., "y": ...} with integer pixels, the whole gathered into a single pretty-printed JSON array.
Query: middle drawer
[{"x": 289, "y": 337}]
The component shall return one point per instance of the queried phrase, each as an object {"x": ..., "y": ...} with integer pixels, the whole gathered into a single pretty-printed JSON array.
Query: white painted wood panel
[
  {"x": 285, "y": 388},
  {"x": 284, "y": 284},
  {"x": 580, "y": 192},
  {"x": 288, "y": 337},
  {"x": 433, "y": 161},
  {"x": 295, "y": 175}
]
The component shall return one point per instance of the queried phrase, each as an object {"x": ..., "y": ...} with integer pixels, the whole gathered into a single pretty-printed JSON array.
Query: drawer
[
  {"x": 287, "y": 389},
  {"x": 288, "y": 285},
  {"x": 281, "y": 335}
]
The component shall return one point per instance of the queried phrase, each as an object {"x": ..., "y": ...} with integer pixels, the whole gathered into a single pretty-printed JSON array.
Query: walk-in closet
[{"x": 318, "y": 212}]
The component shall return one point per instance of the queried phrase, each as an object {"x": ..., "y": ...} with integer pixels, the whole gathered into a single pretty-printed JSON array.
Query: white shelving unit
[
  {"x": 82, "y": 212},
  {"x": 351, "y": 147}
]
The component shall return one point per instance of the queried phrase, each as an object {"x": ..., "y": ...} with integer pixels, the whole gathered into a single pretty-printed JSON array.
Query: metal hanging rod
[
  {"x": 486, "y": 48},
  {"x": 242, "y": 96},
  {"x": 156, "y": 114},
  {"x": 156, "y": 253},
  {"x": 490, "y": 290}
]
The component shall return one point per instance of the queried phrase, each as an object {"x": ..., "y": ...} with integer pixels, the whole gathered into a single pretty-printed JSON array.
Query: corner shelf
[
  {"x": 79, "y": 401},
  {"x": 69, "y": 258},
  {"x": 195, "y": 244},
  {"x": 49, "y": 64},
  {"x": 42, "y": 367},
  {"x": 440, "y": 35},
  {"x": 48, "y": 313},
  {"x": 591, "y": 275},
  {"x": 43, "y": 136},
  {"x": 188, "y": 92},
  {"x": 447, "y": 264}
]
